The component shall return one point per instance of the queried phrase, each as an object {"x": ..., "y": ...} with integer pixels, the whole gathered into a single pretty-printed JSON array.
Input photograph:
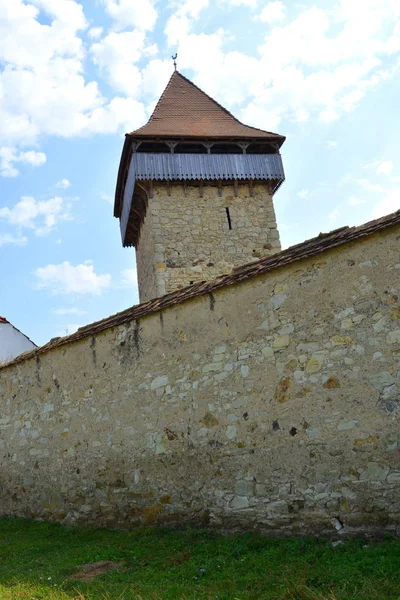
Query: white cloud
[
  {"x": 231, "y": 78},
  {"x": 151, "y": 50},
  {"x": 180, "y": 23},
  {"x": 65, "y": 278},
  {"x": 363, "y": 182},
  {"x": 155, "y": 77},
  {"x": 303, "y": 193},
  {"x": 334, "y": 214},
  {"x": 10, "y": 155},
  {"x": 116, "y": 55},
  {"x": 63, "y": 184},
  {"x": 95, "y": 32},
  {"x": 382, "y": 167},
  {"x": 249, "y": 3},
  {"x": 129, "y": 278},
  {"x": 297, "y": 94},
  {"x": 132, "y": 13},
  {"x": 331, "y": 144},
  {"x": 385, "y": 167},
  {"x": 69, "y": 311},
  {"x": 66, "y": 12},
  {"x": 123, "y": 114},
  {"x": 319, "y": 64},
  {"x": 33, "y": 158},
  {"x": 7, "y": 238},
  {"x": 354, "y": 201},
  {"x": 273, "y": 12},
  {"x": 44, "y": 90},
  {"x": 41, "y": 216},
  {"x": 390, "y": 203}
]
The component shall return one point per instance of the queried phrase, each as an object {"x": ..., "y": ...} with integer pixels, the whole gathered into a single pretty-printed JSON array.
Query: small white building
[{"x": 12, "y": 341}]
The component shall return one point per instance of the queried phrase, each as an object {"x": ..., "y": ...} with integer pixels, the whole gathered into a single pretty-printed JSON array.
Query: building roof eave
[
  {"x": 272, "y": 137},
  {"x": 123, "y": 166}
]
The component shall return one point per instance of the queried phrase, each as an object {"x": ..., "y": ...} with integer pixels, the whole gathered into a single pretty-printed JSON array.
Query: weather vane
[{"x": 174, "y": 59}]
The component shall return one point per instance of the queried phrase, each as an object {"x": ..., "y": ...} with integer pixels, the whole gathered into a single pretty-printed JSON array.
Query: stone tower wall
[{"x": 185, "y": 237}]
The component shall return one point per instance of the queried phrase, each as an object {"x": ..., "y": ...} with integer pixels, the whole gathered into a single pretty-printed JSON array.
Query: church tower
[{"x": 194, "y": 191}]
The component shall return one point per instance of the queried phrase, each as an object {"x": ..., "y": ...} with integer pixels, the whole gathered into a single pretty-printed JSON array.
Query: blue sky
[{"x": 75, "y": 76}]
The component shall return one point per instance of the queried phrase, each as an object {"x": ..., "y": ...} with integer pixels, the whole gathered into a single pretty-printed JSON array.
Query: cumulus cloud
[
  {"x": 334, "y": 214},
  {"x": 42, "y": 74},
  {"x": 42, "y": 216},
  {"x": 181, "y": 21},
  {"x": 65, "y": 278},
  {"x": 66, "y": 12},
  {"x": 365, "y": 183},
  {"x": 273, "y": 12},
  {"x": 248, "y": 3},
  {"x": 131, "y": 13},
  {"x": 7, "y": 238},
  {"x": 116, "y": 55},
  {"x": 123, "y": 114},
  {"x": 129, "y": 278},
  {"x": 381, "y": 167},
  {"x": 354, "y": 201},
  {"x": 95, "y": 32},
  {"x": 63, "y": 184},
  {"x": 9, "y": 156},
  {"x": 151, "y": 50},
  {"x": 385, "y": 167},
  {"x": 324, "y": 62},
  {"x": 389, "y": 203}
]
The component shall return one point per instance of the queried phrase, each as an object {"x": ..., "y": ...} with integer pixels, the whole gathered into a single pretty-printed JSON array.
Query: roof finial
[{"x": 174, "y": 59}]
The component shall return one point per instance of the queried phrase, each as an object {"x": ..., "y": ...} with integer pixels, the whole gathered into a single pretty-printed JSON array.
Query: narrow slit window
[{"x": 228, "y": 216}]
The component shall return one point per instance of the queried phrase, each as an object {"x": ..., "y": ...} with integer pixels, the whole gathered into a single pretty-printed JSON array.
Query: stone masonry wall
[
  {"x": 272, "y": 403},
  {"x": 185, "y": 238},
  {"x": 145, "y": 261}
]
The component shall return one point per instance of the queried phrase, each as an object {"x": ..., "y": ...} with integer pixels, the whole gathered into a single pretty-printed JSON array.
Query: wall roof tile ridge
[{"x": 303, "y": 250}]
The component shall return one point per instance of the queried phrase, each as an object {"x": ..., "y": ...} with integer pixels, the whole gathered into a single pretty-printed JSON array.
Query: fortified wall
[{"x": 267, "y": 398}]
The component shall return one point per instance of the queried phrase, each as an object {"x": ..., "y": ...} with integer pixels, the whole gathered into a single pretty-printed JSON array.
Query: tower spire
[{"x": 212, "y": 179}]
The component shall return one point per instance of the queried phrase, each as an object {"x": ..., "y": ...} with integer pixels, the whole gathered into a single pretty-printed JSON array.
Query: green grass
[{"x": 37, "y": 561}]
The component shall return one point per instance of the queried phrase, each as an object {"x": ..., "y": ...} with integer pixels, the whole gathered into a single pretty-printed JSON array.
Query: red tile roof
[
  {"x": 307, "y": 249},
  {"x": 184, "y": 110}
]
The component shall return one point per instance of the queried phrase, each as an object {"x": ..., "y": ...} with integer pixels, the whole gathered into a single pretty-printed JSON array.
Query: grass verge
[{"x": 42, "y": 560}]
